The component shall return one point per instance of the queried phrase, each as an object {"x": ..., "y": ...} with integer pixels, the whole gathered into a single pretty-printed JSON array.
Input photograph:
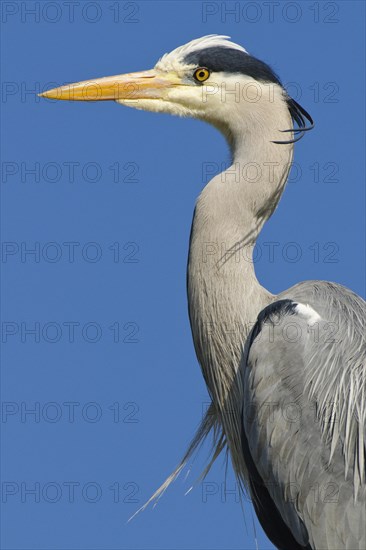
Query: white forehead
[{"x": 174, "y": 59}]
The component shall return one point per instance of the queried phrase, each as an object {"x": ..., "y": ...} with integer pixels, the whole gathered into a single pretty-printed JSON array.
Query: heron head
[{"x": 210, "y": 78}]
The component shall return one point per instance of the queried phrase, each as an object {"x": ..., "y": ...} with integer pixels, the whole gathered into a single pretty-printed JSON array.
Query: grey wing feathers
[{"x": 304, "y": 420}]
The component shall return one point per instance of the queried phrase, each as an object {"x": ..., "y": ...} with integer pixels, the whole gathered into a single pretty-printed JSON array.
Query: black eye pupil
[{"x": 202, "y": 74}]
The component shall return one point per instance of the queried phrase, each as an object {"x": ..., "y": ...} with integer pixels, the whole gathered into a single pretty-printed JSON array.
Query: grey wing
[{"x": 304, "y": 418}]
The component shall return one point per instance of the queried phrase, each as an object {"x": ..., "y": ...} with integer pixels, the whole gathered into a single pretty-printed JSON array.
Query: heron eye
[{"x": 201, "y": 74}]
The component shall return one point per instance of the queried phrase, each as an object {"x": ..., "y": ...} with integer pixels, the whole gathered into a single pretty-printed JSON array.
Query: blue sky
[{"x": 104, "y": 196}]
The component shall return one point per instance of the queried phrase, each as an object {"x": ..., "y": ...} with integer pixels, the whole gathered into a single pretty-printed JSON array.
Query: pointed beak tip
[
  {"x": 48, "y": 94},
  {"x": 63, "y": 92}
]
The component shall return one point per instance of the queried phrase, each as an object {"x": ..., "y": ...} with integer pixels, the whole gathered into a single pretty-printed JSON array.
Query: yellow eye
[{"x": 201, "y": 74}]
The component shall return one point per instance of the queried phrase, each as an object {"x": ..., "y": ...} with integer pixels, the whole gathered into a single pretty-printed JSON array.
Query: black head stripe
[{"x": 228, "y": 60}]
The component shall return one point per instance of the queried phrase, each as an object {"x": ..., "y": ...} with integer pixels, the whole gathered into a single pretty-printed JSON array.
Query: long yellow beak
[{"x": 141, "y": 85}]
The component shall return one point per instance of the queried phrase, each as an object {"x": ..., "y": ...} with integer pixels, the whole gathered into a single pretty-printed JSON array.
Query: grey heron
[{"x": 306, "y": 475}]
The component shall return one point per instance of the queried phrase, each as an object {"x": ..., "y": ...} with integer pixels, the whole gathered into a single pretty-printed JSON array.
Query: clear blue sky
[{"x": 110, "y": 369}]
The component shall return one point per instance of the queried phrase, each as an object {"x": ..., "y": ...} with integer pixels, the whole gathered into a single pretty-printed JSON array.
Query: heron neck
[{"x": 224, "y": 294}]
